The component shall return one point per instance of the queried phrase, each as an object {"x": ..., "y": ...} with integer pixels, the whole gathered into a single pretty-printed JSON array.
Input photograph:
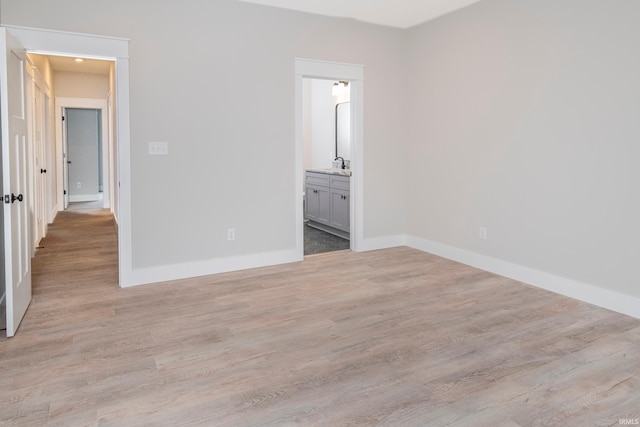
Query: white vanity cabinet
[{"x": 327, "y": 202}]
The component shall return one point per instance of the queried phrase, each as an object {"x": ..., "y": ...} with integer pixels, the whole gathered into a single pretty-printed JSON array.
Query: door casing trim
[{"x": 53, "y": 42}]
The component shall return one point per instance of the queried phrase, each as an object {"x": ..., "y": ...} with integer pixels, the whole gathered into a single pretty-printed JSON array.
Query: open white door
[
  {"x": 65, "y": 160},
  {"x": 15, "y": 175}
]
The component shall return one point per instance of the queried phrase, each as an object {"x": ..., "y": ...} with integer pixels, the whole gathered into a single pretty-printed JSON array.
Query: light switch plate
[{"x": 158, "y": 148}]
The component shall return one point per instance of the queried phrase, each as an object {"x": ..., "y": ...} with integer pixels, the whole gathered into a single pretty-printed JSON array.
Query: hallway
[{"x": 78, "y": 257}]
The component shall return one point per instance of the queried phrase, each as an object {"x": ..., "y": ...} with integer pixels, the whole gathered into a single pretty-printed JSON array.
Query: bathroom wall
[{"x": 319, "y": 123}]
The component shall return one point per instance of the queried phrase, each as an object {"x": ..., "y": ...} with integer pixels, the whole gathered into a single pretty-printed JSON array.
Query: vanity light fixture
[{"x": 339, "y": 88}]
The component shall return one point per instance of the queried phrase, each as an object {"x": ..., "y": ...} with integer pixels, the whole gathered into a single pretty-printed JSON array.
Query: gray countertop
[{"x": 343, "y": 172}]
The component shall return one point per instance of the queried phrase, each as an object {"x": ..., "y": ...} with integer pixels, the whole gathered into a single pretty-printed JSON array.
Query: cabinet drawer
[
  {"x": 314, "y": 178},
  {"x": 340, "y": 182}
]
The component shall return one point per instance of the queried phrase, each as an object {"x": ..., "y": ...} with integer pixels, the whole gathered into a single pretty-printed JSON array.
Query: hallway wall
[{"x": 80, "y": 85}]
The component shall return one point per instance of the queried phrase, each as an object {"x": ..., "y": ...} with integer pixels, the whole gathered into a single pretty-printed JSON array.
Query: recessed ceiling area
[
  {"x": 392, "y": 13},
  {"x": 69, "y": 64}
]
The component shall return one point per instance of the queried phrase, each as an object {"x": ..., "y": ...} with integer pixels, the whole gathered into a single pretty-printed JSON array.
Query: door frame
[
  {"x": 52, "y": 42},
  {"x": 89, "y": 103},
  {"x": 327, "y": 70}
]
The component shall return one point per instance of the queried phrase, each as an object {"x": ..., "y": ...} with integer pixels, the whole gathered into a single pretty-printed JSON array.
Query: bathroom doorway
[
  {"x": 329, "y": 183},
  {"x": 326, "y": 164}
]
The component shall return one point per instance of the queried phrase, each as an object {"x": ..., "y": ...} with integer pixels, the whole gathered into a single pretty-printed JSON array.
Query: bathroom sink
[{"x": 343, "y": 172}]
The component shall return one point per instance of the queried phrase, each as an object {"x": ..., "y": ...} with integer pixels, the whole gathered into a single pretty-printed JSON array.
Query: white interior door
[
  {"x": 65, "y": 161},
  {"x": 40, "y": 167},
  {"x": 15, "y": 175}
]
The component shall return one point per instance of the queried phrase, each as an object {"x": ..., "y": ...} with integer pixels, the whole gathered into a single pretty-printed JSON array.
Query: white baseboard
[
  {"x": 600, "y": 297},
  {"x": 53, "y": 214},
  {"x": 84, "y": 198},
  {"x": 142, "y": 276},
  {"x": 597, "y": 296}
]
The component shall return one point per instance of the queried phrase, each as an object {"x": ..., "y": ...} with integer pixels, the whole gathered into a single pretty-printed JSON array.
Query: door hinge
[
  {"x": 65, "y": 192},
  {"x": 63, "y": 118},
  {"x": 7, "y": 199}
]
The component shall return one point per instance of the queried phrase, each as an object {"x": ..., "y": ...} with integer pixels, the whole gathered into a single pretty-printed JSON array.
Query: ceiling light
[
  {"x": 339, "y": 88},
  {"x": 79, "y": 60}
]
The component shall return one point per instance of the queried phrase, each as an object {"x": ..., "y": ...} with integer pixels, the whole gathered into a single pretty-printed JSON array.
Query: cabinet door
[
  {"x": 318, "y": 204},
  {"x": 340, "y": 209},
  {"x": 324, "y": 205},
  {"x": 311, "y": 203}
]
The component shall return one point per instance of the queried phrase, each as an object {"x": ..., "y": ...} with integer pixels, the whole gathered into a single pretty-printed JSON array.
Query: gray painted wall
[
  {"x": 216, "y": 81},
  {"x": 524, "y": 119},
  {"x": 521, "y": 116}
]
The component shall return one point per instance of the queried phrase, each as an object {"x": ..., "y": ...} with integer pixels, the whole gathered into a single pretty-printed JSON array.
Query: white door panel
[{"x": 15, "y": 181}]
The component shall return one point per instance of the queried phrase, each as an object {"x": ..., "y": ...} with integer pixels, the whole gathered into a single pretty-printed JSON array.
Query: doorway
[
  {"x": 83, "y": 160},
  {"x": 57, "y": 43},
  {"x": 50, "y": 42},
  {"x": 332, "y": 72},
  {"x": 326, "y": 163}
]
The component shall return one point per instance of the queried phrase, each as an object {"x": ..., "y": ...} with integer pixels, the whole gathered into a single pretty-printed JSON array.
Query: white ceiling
[
  {"x": 393, "y": 13},
  {"x": 92, "y": 66}
]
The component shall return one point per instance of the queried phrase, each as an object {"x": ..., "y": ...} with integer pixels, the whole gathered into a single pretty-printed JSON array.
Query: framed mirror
[{"x": 343, "y": 130}]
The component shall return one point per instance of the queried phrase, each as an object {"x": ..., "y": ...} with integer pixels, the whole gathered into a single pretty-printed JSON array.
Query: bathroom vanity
[{"x": 327, "y": 200}]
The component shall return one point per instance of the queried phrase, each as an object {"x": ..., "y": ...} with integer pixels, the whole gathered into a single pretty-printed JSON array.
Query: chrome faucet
[{"x": 342, "y": 160}]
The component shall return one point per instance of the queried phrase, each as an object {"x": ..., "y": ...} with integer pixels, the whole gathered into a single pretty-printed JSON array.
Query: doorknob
[
  {"x": 43, "y": 171},
  {"x": 14, "y": 197},
  {"x": 69, "y": 162}
]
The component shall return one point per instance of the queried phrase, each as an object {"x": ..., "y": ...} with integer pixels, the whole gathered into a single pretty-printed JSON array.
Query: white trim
[
  {"x": 309, "y": 68},
  {"x": 84, "y": 198},
  {"x": 125, "y": 239},
  {"x": 53, "y": 42},
  {"x": 600, "y": 297},
  {"x": 330, "y": 70},
  {"x": 142, "y": 276},
  {"x": 50, "y": 42}
]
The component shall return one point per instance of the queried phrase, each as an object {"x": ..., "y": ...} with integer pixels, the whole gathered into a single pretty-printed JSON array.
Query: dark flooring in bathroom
[{"x": 317, "y": 241}]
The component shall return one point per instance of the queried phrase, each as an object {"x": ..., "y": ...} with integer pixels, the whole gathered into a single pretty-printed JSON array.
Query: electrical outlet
[
  {"x": 231, "y": 234},
  {"x": 78, "y": 185},
  {"x": 482, "y": 233}
]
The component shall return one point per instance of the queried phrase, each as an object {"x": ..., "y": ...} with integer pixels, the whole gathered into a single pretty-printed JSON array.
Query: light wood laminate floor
[{"x": 391, "y": 337}]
